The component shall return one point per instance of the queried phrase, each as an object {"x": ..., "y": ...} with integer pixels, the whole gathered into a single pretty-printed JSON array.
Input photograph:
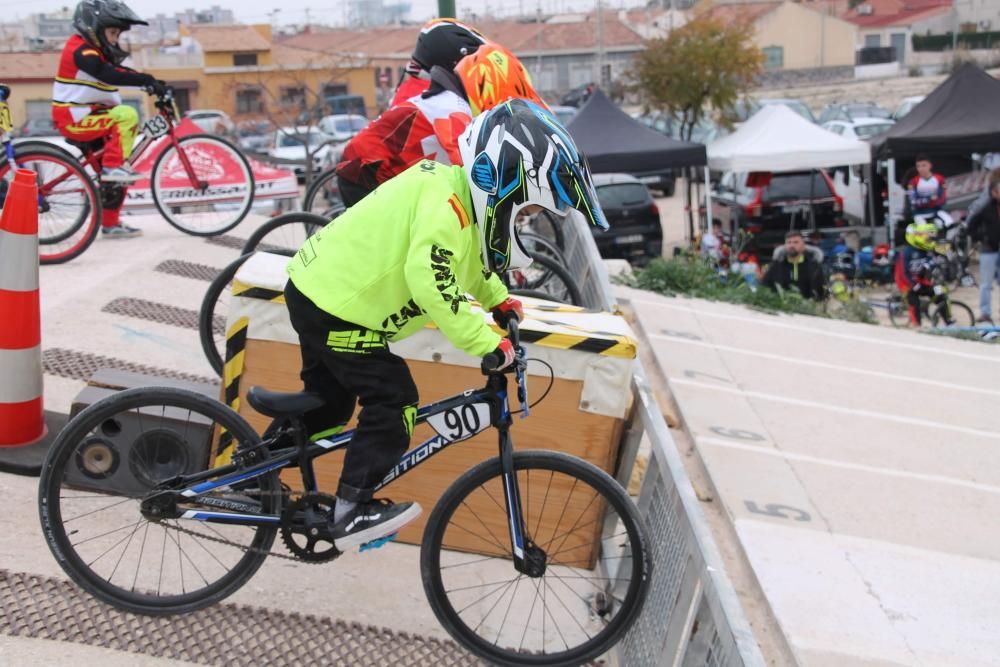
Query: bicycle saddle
[{"x": 280, "y": 404}]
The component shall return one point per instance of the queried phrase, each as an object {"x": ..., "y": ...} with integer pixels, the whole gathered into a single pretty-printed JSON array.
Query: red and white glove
[
  {"x": 502, "y": 313},
  {"x": 505, "y": 352}
]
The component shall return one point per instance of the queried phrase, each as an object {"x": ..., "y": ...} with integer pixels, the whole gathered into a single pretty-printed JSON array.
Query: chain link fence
[{"x": 692, "y": 615}]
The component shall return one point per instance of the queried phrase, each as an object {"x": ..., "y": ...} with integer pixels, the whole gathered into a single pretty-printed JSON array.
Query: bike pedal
[{"x": 378, "y": 543}]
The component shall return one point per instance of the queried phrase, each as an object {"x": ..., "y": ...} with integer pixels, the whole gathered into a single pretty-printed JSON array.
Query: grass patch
[{"x": 690, "y": 276}]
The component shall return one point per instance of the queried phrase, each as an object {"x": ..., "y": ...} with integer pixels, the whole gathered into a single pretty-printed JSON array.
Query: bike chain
[{"x": 245, "y": 549}]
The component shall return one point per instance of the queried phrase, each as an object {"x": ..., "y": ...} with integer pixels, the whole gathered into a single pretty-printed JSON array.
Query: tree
[{"x": 706, "y": 65}]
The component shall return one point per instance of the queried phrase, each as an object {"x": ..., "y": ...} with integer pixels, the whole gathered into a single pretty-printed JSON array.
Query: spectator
[
  {"x": 984, "y": 226},
  {"x": 795, "y": 267},
  {"x": 712, "y": 242},
  {"x": 926, "y": 189}
]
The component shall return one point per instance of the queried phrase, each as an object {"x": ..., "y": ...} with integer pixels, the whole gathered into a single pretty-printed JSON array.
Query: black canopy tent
[
  {"x": 959, "y": 117},
  {"x": 613, "y": 141}
]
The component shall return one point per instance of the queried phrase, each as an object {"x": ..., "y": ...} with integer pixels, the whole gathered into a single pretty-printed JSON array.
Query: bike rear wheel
[
  {"x": 547, "y": 275},
  {"x": 583, "y": 601},
  {"x": 69, "y": 204},
  {"x": 222, "y": 195},
  {"x": 112, "y": 455},
  {"x": 899, "y": 312},
  {"x": 323, "y": 195},
  {"x": 285, "y": 234}
]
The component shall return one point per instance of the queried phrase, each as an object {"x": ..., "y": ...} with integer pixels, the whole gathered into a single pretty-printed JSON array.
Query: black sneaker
[{"x": 370, "y": 521}]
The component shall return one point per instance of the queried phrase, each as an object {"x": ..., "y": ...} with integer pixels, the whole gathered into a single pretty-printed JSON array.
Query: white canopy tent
[{"x": 778, "y": 139}]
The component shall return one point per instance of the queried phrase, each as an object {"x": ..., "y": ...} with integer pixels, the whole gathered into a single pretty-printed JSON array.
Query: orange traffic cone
[{"x": 22, "y": 421}]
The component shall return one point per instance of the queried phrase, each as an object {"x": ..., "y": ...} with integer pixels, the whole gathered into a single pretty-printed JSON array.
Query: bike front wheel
[
  {"x": 961, "y": 315},
  {"x": 587, "y": 544},
  {"x": 117, "y": 452},
  {"x": 202, "y": 185},
  {"x": 69, "y": 205}
]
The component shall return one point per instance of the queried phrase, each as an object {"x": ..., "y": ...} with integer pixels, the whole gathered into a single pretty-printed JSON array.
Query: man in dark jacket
[
  {"x": 796, "y": 269},
  {"x": 984, "y": 226}
]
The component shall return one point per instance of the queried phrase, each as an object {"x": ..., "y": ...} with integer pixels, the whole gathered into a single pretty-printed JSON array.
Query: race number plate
[
  {"x": 155, "y": 127},
  {"x": 6, "y": 124},
  {"x": 461, "y": 422}
]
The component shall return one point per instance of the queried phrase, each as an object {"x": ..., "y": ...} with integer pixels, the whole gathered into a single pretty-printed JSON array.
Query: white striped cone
[{"x": 22, "y": 420}]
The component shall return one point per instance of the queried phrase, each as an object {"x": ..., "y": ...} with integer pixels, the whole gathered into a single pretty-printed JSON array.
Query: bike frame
[{"x": 189, "y": 489}]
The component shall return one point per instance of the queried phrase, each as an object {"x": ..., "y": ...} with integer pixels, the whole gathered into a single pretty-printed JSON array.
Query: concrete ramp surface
[{"x": 860, "y": 466}]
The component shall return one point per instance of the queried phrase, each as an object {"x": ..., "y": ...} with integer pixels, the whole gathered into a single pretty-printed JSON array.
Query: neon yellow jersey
[{"x": 407, "y": 253}]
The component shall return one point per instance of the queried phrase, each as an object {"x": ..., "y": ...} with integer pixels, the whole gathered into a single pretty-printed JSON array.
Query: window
[
  {"x": 774, "y": 57},
  {"x": 293, "y": 97},
  {"x": 334, "y": 89},
  {"x": 797, "y": 185},
  {"x": 580, "y": 74},
  {"x": 250, "y": 100},
  {"x": 621, "y": 195},
  {"x": 244, "y": 59},
  {"x": 873, "y": 41},
  {"x": 605, "y": 75},
  {"x": 546, "y": 78}
]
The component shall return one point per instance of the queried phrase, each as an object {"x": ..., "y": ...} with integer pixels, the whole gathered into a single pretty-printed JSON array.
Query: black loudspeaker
[{"x": 129, "y": 453}]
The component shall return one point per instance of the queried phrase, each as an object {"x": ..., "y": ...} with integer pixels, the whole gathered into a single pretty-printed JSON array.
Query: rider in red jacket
[
  {"x": 441, "y": 43},
  {"x": 86, "y": 104},
  {"x": 427, "y": 125}
]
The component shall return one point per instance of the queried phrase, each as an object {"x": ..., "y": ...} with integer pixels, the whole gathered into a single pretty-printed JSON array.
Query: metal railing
[{"x": 692, "y": 615}]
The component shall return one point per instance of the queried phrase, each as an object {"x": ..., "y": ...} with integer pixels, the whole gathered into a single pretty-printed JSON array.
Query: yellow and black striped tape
[
  {"x": 236, "y": 343},
  {"x": 597, "y": 342},
  {"x": 252, "y": 292}
]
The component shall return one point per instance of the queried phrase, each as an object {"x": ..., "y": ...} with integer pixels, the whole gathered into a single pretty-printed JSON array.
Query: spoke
[
  {"x": 181, "y": 551},
  {"x": 560, "y": 600},
  {"x": 100, "y": 509},
  {"x": 163, "y": 559},
  {"x": 504, "y": 621},
  {"x": 142, "y": 549},
  {"x": 475, "y": 602},
  {"x": 469, "y": 588},
  {"x": 134, "y": 527},
  {"x": 573, "y": 590},
  {"x": 477, "y": 535},
  {"x": 555, "y": 529},
  {"x": 487, "y": 615},
  {"x": 124, "y": 551},
  {"x": 203, "y": 548},
  {"x": 131, "y": 525},
  {"x": 545, "y": 499},
  {"x": 580, "y": 546},
  {"x": 545, "y": 587},
  {"x": 471, "y": 562},
  {"x": 527, "y": 622},
  {"x": 576, "y": 523},
  {"x": 496, "y": 540}
]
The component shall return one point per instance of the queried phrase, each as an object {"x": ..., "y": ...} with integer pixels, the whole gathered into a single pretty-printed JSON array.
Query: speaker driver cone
[{"x": 97, "y": 458}]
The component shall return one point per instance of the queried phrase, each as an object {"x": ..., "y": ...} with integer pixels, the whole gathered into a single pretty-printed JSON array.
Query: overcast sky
[{"x": 320, "y": 11}]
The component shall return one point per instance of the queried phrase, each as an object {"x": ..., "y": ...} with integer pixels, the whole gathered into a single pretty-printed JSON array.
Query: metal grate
[
  {"x": 643, "y": 644},
  {"x": 162, "y": 313},
  {"x": 49, "y": 608},
  {"x": 227, "y": 241},
  {"x": 81, "y": 365},
  {"x": 178, "y": 267}
]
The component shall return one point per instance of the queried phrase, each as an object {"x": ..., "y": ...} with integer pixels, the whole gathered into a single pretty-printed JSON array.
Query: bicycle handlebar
[{"x": 493, "y": 360}]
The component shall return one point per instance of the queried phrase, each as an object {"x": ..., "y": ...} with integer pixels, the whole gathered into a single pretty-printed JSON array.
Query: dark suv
[
  {"x": 767, "y": 205},
  {"x": 635, "y": 233}
]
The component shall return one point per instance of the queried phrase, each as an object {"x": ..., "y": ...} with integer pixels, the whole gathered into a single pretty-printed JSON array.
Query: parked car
[
  {"x": 212, "y": 121},
  {"x": 767, "y": 205},
  {"x": 635, "y": 233},
  {"x": 798, "y": 106},
  {"x": 38, "y": 127},
  {"x": 578, "y": 96},
  {"x": 290, "y": 144},
  {"x": 661, "y": 122},
  {"x": 862, "y": 128},
  {"x": 851, "y": 111},
  {"x": 906, "y": 106},
  {"x": 254, "y": 136},
  {"x": 342, "y": 126}
]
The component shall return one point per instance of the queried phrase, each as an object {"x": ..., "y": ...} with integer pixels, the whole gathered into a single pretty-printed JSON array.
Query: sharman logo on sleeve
[{"x": 445, "y": 279}]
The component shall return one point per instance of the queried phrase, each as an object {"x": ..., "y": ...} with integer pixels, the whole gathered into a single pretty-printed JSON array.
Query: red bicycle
[{"x": 200, "y": 183}]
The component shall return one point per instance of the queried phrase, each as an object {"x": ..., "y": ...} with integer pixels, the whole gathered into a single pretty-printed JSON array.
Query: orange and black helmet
[{"x": 492, "y": 75}]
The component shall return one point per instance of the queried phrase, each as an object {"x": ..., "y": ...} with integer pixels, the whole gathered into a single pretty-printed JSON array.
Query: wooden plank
[{"x": 556, "y": 424}]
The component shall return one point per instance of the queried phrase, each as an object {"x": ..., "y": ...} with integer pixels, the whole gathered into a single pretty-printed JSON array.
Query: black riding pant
[{"x": 346, "y": 363}]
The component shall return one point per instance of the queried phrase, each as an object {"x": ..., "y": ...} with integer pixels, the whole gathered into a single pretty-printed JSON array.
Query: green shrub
[{"x": 687, "y": 276}]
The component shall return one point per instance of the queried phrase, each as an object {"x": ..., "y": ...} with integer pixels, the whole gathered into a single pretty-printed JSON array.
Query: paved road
[{"x": 860, "y": 466}]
